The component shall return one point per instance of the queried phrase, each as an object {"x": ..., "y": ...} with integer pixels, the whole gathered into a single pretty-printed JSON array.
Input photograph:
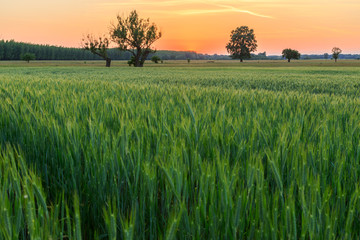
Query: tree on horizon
[
  {"x": 289, "y": 54},
  {"x": 242, "y": 42},
  {"x": 135, "y": 35},
  {"x": 98, "y": 46},
  {"x": 336, "y": 52}
]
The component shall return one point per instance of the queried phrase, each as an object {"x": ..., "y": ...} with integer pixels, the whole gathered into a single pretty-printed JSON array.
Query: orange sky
[{"x": 310, "y": 26}]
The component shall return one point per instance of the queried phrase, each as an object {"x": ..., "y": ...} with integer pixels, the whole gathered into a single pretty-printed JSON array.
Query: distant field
[
  {"x": 206, "y": 150},
  {"x": 193, "y": 63}
]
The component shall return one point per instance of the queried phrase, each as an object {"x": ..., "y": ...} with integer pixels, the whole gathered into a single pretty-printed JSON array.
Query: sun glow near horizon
[{"x": 201, "y": 26}]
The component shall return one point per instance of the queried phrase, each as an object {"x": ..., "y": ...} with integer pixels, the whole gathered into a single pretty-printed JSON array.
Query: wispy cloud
[
  {"x": 223, "y": 10},
  {"x": 152, "y": 3},
  {"x": 192, "y": 7}
]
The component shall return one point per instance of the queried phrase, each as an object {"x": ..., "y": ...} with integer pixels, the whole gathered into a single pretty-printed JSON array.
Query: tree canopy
[
  {"x": 289, "y": 54},
  {"x": 136, "y": 35},
  {"x": 242, "y": 43}
]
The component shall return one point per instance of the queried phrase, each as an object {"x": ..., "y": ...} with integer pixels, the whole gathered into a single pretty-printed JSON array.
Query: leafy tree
[
  {"x": 98, "y": 46},
  {"x": 289, "y": 54},
  {"x": 155, "y": 59},
  {"x": 135, "y": 35},
  {"x": 326, "y": 56},
  {"x": 28, "y": 57},
  {"x": 336, "y": 52},
  {"x": 242, "y": 43}
]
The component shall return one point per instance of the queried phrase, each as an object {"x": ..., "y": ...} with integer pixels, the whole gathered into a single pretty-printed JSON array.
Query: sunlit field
[{"x": 199, "y": 150}]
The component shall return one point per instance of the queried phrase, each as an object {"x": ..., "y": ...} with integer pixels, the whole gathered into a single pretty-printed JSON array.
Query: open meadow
[{"x": 206, "y": 150}]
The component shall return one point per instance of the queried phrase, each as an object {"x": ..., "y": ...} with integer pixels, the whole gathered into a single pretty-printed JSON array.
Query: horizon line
[{"x": 171, "y": 50}]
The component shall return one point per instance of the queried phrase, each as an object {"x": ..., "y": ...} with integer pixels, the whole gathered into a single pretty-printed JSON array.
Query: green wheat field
[{"x": 206, "y": 150}]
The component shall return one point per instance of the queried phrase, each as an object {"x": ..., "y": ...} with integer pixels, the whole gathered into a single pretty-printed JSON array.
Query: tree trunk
[
  {"x": 143, "y": 57},
  {"x": 241, "y": 60},
  {"x": 108, "y": 62},
  {"x": 289, "y": 59},
  {"x": 335, "y": 59},
  {"x": 137, "y": 59},
  {"x": 136, "y": 62}
]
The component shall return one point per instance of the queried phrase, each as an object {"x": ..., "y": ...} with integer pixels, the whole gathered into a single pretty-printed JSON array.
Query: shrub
[
  {"x": 28, "y": 57},
  {"x": 155, "y": 59}
]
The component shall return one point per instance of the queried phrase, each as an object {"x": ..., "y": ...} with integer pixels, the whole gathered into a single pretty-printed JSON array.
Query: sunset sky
[{"x": 310, "y": 26}]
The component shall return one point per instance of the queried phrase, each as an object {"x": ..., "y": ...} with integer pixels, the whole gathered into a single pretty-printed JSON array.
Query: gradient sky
[{"x": 310, "y": 26}]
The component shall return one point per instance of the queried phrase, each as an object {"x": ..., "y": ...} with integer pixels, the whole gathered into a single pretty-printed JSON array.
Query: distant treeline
[
  {"x": 318, "y": 56},
  {"x": 11, "y": 50}
]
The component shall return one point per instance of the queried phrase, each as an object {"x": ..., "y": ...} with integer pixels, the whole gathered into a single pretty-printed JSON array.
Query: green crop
[{"x": 180, "y": 153}]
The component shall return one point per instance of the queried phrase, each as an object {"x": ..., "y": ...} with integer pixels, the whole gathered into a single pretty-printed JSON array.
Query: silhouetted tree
[
  {"x": 135, "y": 35},
  {"x": 98, "y": 46},
  {"x": 242, "y": 43},
  {"x": 28, "y": 57},
  {"x": 289, "y": 54},
  {"x": 336, "y": 52}
]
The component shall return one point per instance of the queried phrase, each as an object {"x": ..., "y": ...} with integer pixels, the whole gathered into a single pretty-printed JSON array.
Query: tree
[
  {"x": 289, "y": 54},
  {"x": 135, "y": 35},
  {"x": 98, "y": 46},
  {"x": 326, "y": 56},
  {"x": 336, "y": 52},
  {"x": 242, "y": 43},
  {"x": 28, "y": 57},
  {"x": 155, "y": 59}
]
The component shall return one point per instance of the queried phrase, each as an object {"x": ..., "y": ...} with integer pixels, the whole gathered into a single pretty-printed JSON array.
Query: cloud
[
  {"x": 149, "y": 3},
  {"x": 223, "y": 10},
  {"x": 193, "y": 7}
]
